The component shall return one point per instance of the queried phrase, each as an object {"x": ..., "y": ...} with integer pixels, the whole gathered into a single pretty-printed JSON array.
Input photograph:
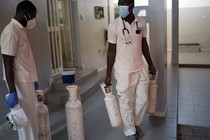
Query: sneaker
[
  {"x": 132, "y": 137},
  {"x": 139, "y": 131}
]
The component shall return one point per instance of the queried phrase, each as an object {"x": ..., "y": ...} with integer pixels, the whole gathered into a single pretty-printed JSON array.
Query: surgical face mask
[
  {"x": 30, "y": 23},
  {"x": 123, "y": 10}
]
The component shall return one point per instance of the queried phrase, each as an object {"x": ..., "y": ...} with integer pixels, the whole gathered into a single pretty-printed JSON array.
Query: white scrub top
[
  {"x": 14, "y": 42},
  {"x": 128, "y": 56}
]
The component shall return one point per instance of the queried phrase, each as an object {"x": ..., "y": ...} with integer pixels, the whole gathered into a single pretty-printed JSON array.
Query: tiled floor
[
  {"x": 97, "y": 125},
  {"x": 193, "y": 109},
  {"x": 194, "y": 90},
  {"x": 194, "y": 97}
]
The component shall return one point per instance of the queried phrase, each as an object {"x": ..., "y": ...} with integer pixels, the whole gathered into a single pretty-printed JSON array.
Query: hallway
[
  {"x": 190, "y": 117},
  {"x": 193, "y": 104},
  {"x": 194, "y": 96},
  {"x": 97, "y": 125}
]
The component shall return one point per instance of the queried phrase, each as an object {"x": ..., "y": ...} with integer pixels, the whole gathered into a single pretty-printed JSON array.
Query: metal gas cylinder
[
  {"x": 74, "y": 115},
  {"x": 152, "y": 95},
  {"x": 111, "y": 106},
  {"x": 44, "y": 132}
]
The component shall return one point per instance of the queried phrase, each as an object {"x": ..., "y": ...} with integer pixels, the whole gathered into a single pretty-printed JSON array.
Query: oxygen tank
[
  {"x": 111, "y": 106},
  {"x": 40, "y": 92},
  {"x": 152, "y": 93},
  {"x": 44, "y": 132},
  {"x": 74, "y": 115},
  {"x": 16, "y": 117}
]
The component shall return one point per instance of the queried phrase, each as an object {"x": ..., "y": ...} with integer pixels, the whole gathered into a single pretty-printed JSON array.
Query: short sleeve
[
  {"x": 112, "y": 38},
  {"x": 145, "y": 30},
  {"x": 9, "y": 43},
  {"x": 144, "y": 26}
]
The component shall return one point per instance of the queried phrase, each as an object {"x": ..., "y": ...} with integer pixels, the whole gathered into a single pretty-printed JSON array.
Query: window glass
[{"x": 141, "y": 2}]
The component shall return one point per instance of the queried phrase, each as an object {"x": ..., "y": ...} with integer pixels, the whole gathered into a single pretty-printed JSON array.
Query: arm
[
  {"x": 9, "y": 72},
  {"x": 110, "y": 62},
  {"x": 146, "y": 53},
  {"x": 12, "y": 98},
  {"x": 9, "y": 46}
]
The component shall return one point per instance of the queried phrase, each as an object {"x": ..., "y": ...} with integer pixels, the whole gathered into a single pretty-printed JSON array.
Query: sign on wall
[{"x": 99, "y": 12}]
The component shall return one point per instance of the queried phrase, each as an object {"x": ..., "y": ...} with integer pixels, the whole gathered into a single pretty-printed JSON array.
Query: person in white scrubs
[
  {"x": 127, "y": 46},
  {"x": 19, "y": 67}
]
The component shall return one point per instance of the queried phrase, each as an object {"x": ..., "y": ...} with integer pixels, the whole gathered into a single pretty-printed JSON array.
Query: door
[
  {"x": 59, "y": 30},
  {"x": 54, "y": 37},
  {"x": 66, "y": 33}
]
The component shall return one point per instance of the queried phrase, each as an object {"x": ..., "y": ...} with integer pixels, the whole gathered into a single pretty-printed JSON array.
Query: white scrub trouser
[
  {"x": 132, "y": 90},
  {"x": 27, "y": 101}
]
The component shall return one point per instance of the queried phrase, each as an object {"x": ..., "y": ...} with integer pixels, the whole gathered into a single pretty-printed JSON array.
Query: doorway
[{"x": 60, "y": 38}]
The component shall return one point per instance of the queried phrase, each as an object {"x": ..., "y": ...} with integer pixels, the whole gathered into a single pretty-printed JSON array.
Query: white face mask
[
  {"x": 30, "y": 23},
  {"x": 124, "y": 10}
]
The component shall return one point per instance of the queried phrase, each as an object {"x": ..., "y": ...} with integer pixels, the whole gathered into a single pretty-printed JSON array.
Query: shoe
[
  {"x": 132, "y": 137},
  {"x": 139, "y": 131}
]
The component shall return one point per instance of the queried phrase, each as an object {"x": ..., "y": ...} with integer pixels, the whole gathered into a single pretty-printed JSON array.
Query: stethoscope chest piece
[{"x": 138, "y": 30}]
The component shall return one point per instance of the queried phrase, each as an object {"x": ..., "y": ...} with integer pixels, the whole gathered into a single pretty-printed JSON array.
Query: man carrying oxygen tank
[{"x": 127, "y": 44}]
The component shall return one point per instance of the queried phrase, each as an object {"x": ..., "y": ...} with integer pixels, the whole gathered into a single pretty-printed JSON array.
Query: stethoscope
[{"x": 138, "y": 29}]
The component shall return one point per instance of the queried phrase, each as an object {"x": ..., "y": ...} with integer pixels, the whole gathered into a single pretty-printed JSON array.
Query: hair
[
  {"x": 25, "y": 5},
  {"x": 129, "y": 1},
  {"x": 132, "y": 1}
]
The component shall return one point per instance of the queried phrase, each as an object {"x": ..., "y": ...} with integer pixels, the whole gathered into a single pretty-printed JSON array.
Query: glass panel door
[
  {"x": 54, "y": 37},
  {"x": 65, "y": 31}
]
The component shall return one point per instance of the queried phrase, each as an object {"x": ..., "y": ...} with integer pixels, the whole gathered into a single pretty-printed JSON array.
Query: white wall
[
  {"x": 194, "y": 20},
  {"x": 38, "y": 38},
  {"x": 111, "y": 10},
  {"x": 93, "y": 47},
  {"x": 169, "y": 28},
  {"x": 189, "y": 3},
  {"x": 193, "y": 3},
  {"x": 194, "y": 26}
]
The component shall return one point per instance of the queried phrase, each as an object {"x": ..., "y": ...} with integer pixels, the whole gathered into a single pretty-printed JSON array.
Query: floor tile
[
  {"x": 195, "y": 109},
  {"x": 186, "y": 120},
  {"x": 182, "y": 102},
  {"x": 183, "y": 107},
  {"x": 171, "y": 114},
  {"x": 160, "y": 131},
  {"x": 184, "y": 113},
  {"x": 203, "y": 122}
]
